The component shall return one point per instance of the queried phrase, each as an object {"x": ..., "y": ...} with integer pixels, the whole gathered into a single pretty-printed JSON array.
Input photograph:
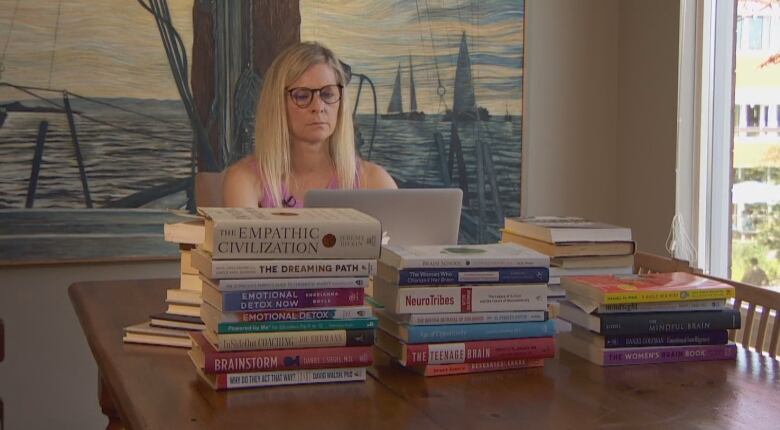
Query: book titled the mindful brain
[{"x": 271, "y": 233}]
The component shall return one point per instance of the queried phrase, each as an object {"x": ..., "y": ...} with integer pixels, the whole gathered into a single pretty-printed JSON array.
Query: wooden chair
[{"x": 753, "y": 302}]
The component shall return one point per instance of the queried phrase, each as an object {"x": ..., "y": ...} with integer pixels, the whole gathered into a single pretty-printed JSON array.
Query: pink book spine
[
  {"x": 488, "y": 366},
  {"x": 645, "y": 355},
  {"x": 479, "y": 351}
]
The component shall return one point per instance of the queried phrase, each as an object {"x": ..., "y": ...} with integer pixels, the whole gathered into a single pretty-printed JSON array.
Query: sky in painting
[{"x": 112, "y": 48}]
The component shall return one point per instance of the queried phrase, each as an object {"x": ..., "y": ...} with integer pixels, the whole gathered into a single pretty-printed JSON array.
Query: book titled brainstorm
[{"x": 273, "y": 233}]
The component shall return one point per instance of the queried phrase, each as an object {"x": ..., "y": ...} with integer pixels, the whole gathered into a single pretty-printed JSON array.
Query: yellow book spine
[{"x": 667, "y": 296}]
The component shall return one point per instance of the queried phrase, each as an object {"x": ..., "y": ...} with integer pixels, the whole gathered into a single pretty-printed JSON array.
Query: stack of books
[
  {"x": 575, "y": 246},
  {"x": 170, "y": 328},
  {"x": 648, "y": 318},
  {"x": 463, "y": 309},
  {"x": 283, "y": 296}
]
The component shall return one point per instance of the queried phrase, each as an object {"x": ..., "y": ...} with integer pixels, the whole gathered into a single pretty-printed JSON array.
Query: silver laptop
[{"x": 417, "y": 216}]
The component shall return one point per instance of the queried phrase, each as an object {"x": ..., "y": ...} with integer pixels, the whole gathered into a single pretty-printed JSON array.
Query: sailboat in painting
[
  {"x": 464, "y": 106},
  {"x": 395, "y": 109}
]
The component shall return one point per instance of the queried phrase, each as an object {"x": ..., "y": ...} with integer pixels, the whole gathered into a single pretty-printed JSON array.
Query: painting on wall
[{"x": 95, "y": 117}]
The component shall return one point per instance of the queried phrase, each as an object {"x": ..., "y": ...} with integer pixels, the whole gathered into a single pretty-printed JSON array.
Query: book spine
[
  {"x": 289, "y": 377},
  {"x": 294, "y": 339},
  {"x": 258, "y": 327},
  {"x": 479, "y": 351},
  {"x": 647, "y": 355},
  {"x": 290, "y": 283},
  {"x": 409, "y": 262},
  {"x": 289, "y": 268},
  {"x": 475, "y": 318},
  {"x": 488, "y": 366},
  {"x": 447, "y": 276},
  {"x": 245, "y": 239},
  {"x": 466, "y": 299},
  {"x": 288, "y": 359},
  {"x": 668, "y": 296},
  {"x": 681, "y": 306},
  {"x": 468, "y": 332},
  {"x": 290, "y": 299},
  {"x": 669, "y": 322},
  {"x": 716, "y": 337},
  {"x": 300, "y": 314}
]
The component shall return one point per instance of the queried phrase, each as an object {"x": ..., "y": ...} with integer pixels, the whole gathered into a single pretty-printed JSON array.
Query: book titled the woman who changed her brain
[
  {"x": 496, "y": 255},
  {"x": 275, "y": 233}
]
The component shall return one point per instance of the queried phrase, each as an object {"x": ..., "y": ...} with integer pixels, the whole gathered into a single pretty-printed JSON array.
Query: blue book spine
[
  {"x": 467, "y": 332},
  {"x": 434, "y": 276}
]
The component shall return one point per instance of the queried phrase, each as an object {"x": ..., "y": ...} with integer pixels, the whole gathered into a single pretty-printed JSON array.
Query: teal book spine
[{"x": 259, "y": 327}]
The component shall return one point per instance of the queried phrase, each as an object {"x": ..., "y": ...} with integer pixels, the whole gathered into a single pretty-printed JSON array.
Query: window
[{"x": 737, "y": 218}]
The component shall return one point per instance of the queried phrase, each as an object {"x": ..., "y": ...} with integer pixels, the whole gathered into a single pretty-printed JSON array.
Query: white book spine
[
  {"x": 474, "y": 318},
  {"x": 287, "y": 268},
  {"x": 465, "y": 299},
  {"x": 289, "y": 377},
  {"x": 289, "y": 283},
  {"x": 432, "y": 262}
]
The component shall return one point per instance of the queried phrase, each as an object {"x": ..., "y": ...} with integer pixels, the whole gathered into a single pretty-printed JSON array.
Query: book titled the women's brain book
[{"x": 650, "y": 287}]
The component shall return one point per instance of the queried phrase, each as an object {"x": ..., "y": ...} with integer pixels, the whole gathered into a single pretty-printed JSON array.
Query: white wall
[
  {"x": 600, "y": 112},
  {"x": 570, "y": 108},
  {"x": 647, "y": 119}
]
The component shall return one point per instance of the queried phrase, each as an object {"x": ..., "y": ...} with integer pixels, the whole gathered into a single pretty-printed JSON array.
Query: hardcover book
[
  {"x": 190, "y": 232},
  {"x": 227, "y": 381},
  {"x": 457, "y": 256},
  {"x": 463, "y": 332},
  {"x": 487, "y": 366},
  {"x": 553, "y": 229},
  {"x": 258, "y": 300},
  {"x": 210, "y": 360},
  {"x": 590, "y": 306},
  {"x": 645, "y": 355},
  {"x": 465, "y": 352},
  {"x": 704, "y": 337},
  {"x": 649, "y": 287},
  {"x": 226, "y": 285},
  {"x": 289, "y": 339},
  {"x": 243, "y": 269},
  {"x": 462, "y": 276},
  {"x": 570, "y": 249},
  {"x": 585, "y": 262},
  {"x": 481, "y": 298},
  {"x": 290, "y": 233},
  {"x": 307, "y": 314},
  {"x": 468, "y": 317},
  {"x": 651, "y": 322}
]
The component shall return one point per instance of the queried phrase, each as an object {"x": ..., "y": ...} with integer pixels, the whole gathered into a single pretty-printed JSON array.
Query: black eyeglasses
[{"x": 303, "y": 96}]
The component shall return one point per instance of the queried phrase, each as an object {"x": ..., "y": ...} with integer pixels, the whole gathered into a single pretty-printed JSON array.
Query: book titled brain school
[{"x": 273, "y": 233}]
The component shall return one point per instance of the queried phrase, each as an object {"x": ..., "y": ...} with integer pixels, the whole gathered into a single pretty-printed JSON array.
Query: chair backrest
[
  {"x": 753, "y": 302},
  {"x": 208, "y": 189}
]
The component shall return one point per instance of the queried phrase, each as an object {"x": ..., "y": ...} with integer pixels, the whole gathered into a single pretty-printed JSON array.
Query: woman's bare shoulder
[
  {"x": 375, "y": 176},
  {"x": 241, "y": 184}
]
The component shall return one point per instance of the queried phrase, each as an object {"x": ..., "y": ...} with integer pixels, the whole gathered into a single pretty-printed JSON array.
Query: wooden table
[{"x": 156, "y": 387}]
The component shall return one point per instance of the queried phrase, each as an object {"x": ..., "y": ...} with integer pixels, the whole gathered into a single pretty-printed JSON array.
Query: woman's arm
[
  {"x": 375, "y": 176},
  {"x": 240, "y": 187}
]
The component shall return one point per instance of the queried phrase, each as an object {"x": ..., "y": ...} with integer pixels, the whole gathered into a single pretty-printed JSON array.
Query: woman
[{"x": 303, "y": 136}]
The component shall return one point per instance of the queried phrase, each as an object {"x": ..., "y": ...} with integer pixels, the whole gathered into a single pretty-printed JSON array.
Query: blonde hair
[{"x": 272, "y": 135}]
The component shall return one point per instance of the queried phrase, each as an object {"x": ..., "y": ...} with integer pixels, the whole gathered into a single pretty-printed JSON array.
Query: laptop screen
[{"x": 418, "y": 216}]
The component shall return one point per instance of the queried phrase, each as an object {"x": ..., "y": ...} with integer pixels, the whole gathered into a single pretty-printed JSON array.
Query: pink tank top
[{"x": 288, "y": 200}]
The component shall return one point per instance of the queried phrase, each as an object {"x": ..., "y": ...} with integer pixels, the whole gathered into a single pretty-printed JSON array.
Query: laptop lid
[{"x": 417, "y": 216}]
